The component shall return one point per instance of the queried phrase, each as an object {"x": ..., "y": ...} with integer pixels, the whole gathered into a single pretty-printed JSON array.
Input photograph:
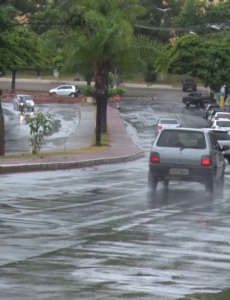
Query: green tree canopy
[{"x": 203, "y": 58}]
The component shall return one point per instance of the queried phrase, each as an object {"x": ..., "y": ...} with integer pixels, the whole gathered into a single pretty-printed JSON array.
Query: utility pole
[{"x": 164, "y": 10}]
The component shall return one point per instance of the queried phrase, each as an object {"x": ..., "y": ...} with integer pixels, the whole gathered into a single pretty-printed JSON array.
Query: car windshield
[
  {"x": 168, "y": 122},
  {"x": 182, "y": 139},
  {"x": 223, "y": 123},
  {"x": 27, "y": 97},
  {"x": 220, "y": 135}
]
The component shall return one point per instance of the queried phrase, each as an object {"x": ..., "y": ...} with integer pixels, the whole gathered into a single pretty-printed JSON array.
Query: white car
[
  {"x": 221, "y": 124},
  {"x": 167, "y": 123},
  {"x": 223, "y": 138},
  {"x": 66, "y": 90},
  {"x": 218, "y": 115},
  {"x": 27, "y": 101}
]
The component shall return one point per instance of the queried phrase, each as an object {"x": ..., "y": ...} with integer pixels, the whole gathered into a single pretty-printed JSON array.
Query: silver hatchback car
[{"x": 187, "y": 154}]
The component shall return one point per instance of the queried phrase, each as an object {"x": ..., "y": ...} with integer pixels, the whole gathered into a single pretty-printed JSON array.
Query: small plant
[
  {"x": 117, "y": 91},
  {"x": 40, "y": 124},
  {"x": 88, "y": 91}
]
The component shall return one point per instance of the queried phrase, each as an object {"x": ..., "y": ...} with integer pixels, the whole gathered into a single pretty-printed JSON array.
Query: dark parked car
[
  {"x": 208, "y": 109},
  {"x": 187, "y": 154},
  {"x": 199, "y": 99},
  {"x": 189, "y": 85}
]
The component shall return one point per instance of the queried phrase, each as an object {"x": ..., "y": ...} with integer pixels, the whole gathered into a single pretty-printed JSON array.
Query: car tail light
[
  {"x": 154, "y": 157},
  {"x": 159, "y": 128},
  {"x": 206, "y": 161}
]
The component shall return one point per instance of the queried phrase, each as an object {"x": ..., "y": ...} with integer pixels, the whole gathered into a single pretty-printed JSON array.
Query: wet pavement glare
[{"x": 96, "y": 233}]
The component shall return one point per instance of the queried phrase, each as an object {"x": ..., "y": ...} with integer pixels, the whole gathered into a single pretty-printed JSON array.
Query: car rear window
[
  {"x": 223, "y": 123},
  {"x": 181, "y": 139},
  {"x": 168, "y": 122},
  {"x": 224, "y": 136},
  {"x": 219, "y": 115}
]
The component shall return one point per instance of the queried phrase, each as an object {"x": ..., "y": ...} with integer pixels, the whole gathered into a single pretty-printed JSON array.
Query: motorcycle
[{"x": 21, "y": 107}]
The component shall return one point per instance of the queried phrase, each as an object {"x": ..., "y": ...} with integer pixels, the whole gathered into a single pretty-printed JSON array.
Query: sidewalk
[{"x": 122, "y": 149}]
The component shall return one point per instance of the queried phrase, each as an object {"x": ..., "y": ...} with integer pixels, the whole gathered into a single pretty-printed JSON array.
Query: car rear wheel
[
  {"x": 166, "y": 184},
  {"x": 210, "y": 185},
  {"x": 152, "y": 181},
  {"x": 220, "y": 186},
  {"x": 72, "y": 95}
]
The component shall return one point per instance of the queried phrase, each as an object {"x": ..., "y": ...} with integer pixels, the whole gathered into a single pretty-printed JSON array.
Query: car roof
[
  {"x": 184, "y": 129},
  {"x": 168, "y": 119},
  {"x": 216, "y": 130},
  {"x": 222, "y": 119}
]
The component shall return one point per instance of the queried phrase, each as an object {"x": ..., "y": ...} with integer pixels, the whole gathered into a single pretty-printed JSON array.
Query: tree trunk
[
  {"x": 88, "y": 79},
  {"x": 13, "y": 79},
  {"x": 2, "y": 129},
  {"x": 104, "y": 114},
  {"x": 101, "y": 95},
  {"x": 98, "y": 120},
  {"x": 105, "y": 101}
]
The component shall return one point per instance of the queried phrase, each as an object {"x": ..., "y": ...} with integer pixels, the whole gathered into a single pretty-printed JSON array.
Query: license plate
[{"x": 178, "y": 171}]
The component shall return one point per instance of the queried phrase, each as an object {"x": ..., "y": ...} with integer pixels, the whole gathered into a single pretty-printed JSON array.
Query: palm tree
[{"x": 99, "y": 35}]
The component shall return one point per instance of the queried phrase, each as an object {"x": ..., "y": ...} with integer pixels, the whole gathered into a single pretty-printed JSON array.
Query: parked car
[
  {"x": 27, "y": 101},
  {"x": 199, "y": 99},
  {"x": 218, "y": 115},
  {"x": 167, "y": 123},
  {"x": 212, "y": 113},
  {"x": 220, "y": 124},
  {"x": 223, "y": 138},
  {"x": 187, "y": 154},
  {"x": 208, "y": 108},
  {"x": 66, "y": 90},
  {"x": 189, "y": 84}
]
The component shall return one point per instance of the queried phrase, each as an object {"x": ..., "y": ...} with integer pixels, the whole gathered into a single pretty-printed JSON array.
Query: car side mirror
[{"x": 225, "y": 148}]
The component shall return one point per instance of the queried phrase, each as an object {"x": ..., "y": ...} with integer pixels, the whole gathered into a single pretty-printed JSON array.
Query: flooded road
[
  {"x": 17, "y": 132},
  {"x": 96, "y": 233}
]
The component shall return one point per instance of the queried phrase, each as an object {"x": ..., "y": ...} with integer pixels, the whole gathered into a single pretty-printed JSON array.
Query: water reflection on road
[{"x": 97, "y": 233}]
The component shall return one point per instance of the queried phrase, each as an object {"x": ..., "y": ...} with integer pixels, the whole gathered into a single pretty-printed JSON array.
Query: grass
[
  {"x": 137, "y": 77},
  {"x": 105, "y": 139}
]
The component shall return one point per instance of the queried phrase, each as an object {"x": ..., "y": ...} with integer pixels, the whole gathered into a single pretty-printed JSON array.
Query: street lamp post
[{"x": 164, "y": 12}]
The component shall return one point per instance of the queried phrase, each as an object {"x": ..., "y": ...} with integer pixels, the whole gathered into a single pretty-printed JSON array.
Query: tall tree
[
  {"x": 206, "y": 59},
  {"x": 99, "y": 36}
]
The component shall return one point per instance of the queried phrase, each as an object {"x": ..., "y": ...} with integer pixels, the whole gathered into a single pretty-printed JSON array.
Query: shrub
[
  {"x": 40, "y": 124},
  {"x": 89, "y": 91}
]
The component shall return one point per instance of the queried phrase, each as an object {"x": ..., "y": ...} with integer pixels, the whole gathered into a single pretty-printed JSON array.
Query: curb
[{"x": 53, "y": 166}]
